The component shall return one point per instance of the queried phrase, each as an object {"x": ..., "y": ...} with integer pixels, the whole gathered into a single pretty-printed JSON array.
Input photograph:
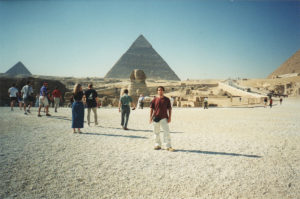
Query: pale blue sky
[{"x": 199, "y": 39}]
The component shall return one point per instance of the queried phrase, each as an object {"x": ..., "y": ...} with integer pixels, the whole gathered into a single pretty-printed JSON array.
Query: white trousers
[{"x": 163, "y": 123}]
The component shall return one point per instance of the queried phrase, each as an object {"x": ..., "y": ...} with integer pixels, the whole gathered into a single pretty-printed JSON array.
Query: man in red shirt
[
  {"x": 56, "y": 94},
  {"x": 160, "y": 115}
]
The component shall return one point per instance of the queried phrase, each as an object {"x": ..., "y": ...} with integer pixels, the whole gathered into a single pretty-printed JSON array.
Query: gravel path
[{"x": 221, "y": 153}]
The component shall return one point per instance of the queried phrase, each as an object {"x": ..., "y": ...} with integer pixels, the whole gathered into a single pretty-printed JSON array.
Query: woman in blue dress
[{"x": 77, "y": 109}]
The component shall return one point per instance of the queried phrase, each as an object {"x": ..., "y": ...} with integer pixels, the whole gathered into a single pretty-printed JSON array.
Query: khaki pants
[
  {"x": 163, "y": 123},
  {"x": 56, "y": 102},
  {"x": 94, "y": 109}
]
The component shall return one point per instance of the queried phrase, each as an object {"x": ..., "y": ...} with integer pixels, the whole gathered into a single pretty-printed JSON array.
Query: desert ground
[{"x": 220, "y": 153}]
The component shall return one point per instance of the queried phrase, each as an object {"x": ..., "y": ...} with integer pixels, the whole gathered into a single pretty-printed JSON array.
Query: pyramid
[
  {"x": 142, "y": 56},
  {"x": 292, "y": 65},
  {"x": 18, "y": 69}
]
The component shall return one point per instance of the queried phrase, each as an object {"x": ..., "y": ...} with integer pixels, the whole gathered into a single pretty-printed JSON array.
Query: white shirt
[
  {"x": 26, "y": 90},
  {"x": 13, "y": 92}
]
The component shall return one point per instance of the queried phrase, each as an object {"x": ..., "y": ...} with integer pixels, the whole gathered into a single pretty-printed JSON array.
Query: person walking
[
  {"x": 91, "y": 97},
  {"x": 43, "y": 100},
  {"x": 13, "y": 93},
  {"x": 20, "y": 100},
  {"x": 77, "y": 108},
  {"x": 141, "y": 101},
  {"x": 26, "y": 92},
  {"x": 205, "y": 103},
  {"x": 266, "y": 101},
  {"x": 56, "y": 94},
  {"x": 160, "y": 115},
  {"x": 271, "y": 102},
  {"x": 124, "y": 107},
  {"x": 280, "y": 100}
]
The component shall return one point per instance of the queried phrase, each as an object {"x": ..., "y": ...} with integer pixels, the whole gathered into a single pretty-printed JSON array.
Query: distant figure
[
  {"x": 43, "y": 100},
  {"x": 56, "y": 94},
  {"x": 160, "y": 115},
  {"x": 92, "y": 103},
  {"x": 20, "y": 100},
  {"x": 280, "y": 100},
  {"x": 172, "y": 101},
  {"x": 77, "y": 109},
  {"x": 240, "y": 99},
  {"x": 266, "y": 101},
  {"x": 13, "y": 93},
  {"x": 37, "y": 97},
  {"x": 124, "y": 107},
  {"x": 205, "y": 103},
  {"x": 141, "y": 101},
  {"x": 271, "y": 102},
  {"x": 26, "y": 92}
]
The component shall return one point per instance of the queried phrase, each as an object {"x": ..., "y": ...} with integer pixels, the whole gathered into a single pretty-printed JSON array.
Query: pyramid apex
[
  {"x": 18, "y": 69},
  {"x": 141, "y": 42}
]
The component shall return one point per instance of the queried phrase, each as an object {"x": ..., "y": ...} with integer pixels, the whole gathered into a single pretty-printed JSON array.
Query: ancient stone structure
[
  {"x": 138, "y": 83},
  {"x": 290, "y": 66},
  {"x": 142, "y": 56},
  {"x": 18, "y": 69}
]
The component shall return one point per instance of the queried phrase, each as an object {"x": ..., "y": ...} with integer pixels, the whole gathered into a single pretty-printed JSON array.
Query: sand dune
[{"x": 221, "y": 153}]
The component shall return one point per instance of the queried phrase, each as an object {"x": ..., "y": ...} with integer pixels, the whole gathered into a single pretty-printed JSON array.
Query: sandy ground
[{"x": 221, "y": 153}]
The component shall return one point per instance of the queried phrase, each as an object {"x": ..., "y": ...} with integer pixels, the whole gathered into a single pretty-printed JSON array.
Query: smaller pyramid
[
  {"x": 18, "y": 69},
  {"x": 291, "y": 65}
]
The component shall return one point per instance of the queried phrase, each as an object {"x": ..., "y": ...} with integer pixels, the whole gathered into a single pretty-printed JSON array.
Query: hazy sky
[{"x": 199, "y": 39}]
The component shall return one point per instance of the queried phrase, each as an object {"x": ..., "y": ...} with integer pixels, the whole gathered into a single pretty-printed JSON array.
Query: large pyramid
[
  {"x": 292, "y": 65},
  {"x": 142, "y": 56},
  {"x": 18, "y": 69}
]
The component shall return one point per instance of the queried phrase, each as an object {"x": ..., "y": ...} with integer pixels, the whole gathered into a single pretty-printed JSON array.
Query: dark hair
[
  {"x": 126, "y": 91},
  {"x": 161, "y": 88},
  {"x": 56, "y": 87},
  {"x": 13, "y": 84},
  {"x": 28, "y": 82},
  {"x": 90, "y": 85}
]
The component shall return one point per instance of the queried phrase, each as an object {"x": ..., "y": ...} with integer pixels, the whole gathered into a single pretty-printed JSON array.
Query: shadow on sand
[
  {"x": 151, "y": 131},
  {"x": 217, "y": 153},
  {"x": 116, "y": 135}
]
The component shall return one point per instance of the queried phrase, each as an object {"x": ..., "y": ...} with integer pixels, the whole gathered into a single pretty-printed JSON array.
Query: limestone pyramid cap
[{"x": 141, "y": 42}]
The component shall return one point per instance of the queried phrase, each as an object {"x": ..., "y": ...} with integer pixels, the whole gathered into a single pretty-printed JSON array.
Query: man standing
[
  {"x": 160, "y": 114},
  {"x": 13, "y": 92},
  {"x": 43, "y": 100},
  {"x": 205, "y": 103},
  {"x": 57, "y": 98},
  {"x": 92, "y": 103},
  {"x": 141, "y": 101},
  {"x": 124, "y": 107},
  {"x": 26, "y": 93}
]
